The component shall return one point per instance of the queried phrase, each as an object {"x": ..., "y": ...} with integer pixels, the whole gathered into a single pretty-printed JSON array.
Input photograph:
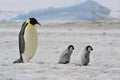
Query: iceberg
[{"x": 86, "y": 10}]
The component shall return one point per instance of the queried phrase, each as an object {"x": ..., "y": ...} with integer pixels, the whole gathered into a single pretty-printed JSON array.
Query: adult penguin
[{"x": 28, "y": 40}]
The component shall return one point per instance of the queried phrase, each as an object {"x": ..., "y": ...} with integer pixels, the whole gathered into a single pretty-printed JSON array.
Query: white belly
[{"x": 31, "y": 41}]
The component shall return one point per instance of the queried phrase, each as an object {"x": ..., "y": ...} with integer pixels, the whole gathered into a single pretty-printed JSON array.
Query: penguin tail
[{"x": 18, "y": 61}]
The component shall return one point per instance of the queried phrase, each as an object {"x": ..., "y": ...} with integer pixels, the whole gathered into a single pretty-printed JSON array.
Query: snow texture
[
  {"x": 104, "y": 64},
  {"x": 86, "y": 10}
]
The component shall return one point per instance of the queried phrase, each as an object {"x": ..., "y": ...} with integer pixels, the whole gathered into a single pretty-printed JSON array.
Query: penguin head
[
  {"x": 32, "y": 21},
  {"x": 89, "y": 48},
  {"x": 71, "y": 47}
]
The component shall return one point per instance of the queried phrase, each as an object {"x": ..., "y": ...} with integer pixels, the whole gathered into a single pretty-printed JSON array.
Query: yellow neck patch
[
  {"x": 29, "y": 24},
  {"x": 28, "y": 21}
]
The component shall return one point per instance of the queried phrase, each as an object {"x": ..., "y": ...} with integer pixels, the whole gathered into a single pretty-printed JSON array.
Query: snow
[
  {"x": 54, "y": 37},
  {"x": 83, "y": 11}
]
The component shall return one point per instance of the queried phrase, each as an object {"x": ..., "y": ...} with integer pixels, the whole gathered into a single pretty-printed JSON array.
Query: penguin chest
[
  {"x": 31, "y": 41},
  {"x": 85, "y": 58}
]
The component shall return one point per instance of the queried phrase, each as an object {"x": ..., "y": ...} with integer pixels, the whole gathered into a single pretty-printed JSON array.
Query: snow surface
[
  {"x": 86, "y": 10},
  {"x": 104, "y": 37}
]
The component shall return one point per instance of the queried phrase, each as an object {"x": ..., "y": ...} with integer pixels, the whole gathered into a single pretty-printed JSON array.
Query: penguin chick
[
  {"x": 28, "y": 40},
  {"x": 66, "y": 55},
  {"x": 85, "y": 56}
]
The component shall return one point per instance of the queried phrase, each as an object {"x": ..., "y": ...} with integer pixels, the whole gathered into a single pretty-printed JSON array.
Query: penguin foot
[
  {"x": 18, "y": 61},
  {"x": 85, "y": 64},
  {"x": 78, "y": 64},
  {"x": 63, "y": 62}
]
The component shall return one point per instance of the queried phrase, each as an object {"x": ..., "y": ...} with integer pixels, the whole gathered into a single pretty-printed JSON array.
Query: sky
[
  {"x": 23, "y": 5},
  {"x": 26, "y": 5}
]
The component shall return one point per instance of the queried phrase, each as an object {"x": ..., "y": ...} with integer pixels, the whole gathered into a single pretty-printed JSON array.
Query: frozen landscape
[
  {"x": 104, "y": 37},
  {"x": 68, "y": 25},
  {"x": 81, "y": 10},
  {"x": 87, "y": 10}
]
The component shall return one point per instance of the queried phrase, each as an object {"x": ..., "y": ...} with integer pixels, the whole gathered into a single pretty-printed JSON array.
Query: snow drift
[{"x": 83, "y": 11}]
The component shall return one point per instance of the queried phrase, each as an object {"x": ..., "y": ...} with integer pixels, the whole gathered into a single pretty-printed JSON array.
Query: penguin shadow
[
  {"x": 4, "y": 65},
  {"x": 38, "y": 62},
  {"x": 82, "y": 65},
  {"x": 55, "y": 68},
  {"x": 58, "y": 66}
]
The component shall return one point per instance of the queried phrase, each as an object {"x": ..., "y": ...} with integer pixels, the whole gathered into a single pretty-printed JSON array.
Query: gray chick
[
  {"x": 66, "y": 55},
  {"x": 85, "y": 56}
]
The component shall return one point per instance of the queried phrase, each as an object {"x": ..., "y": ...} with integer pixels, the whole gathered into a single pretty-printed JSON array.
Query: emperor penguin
[
  {"x": 85, "y": 56},
  {"x": 28, "y": 40},
  {"x": 66, "y": 55}
]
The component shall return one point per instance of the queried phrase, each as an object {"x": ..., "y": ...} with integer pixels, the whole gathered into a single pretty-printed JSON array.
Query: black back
[{"x": 21, "y": 38}]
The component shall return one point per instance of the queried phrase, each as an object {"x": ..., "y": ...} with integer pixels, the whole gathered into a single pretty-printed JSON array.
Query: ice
[
  {"x": 83, "y": 11},
  {"x": 53, "y": 39}
]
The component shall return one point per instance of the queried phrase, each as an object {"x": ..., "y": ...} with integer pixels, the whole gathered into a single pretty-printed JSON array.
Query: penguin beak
[
  {"x": 91, "y": 49},
  {"x": 38, "y": 23}
]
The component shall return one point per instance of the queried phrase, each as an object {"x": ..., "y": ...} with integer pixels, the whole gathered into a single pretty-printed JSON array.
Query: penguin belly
[{"x": 31, "y": 41}]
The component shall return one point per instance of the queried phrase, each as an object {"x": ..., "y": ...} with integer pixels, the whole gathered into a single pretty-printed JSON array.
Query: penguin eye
[
  {"x": 90, "y": 49},
  {"x": 71, "y": 48}
]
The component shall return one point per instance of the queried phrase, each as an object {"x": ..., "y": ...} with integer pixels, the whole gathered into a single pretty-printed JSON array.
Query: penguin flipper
[{"x": 21, "y": 38}]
